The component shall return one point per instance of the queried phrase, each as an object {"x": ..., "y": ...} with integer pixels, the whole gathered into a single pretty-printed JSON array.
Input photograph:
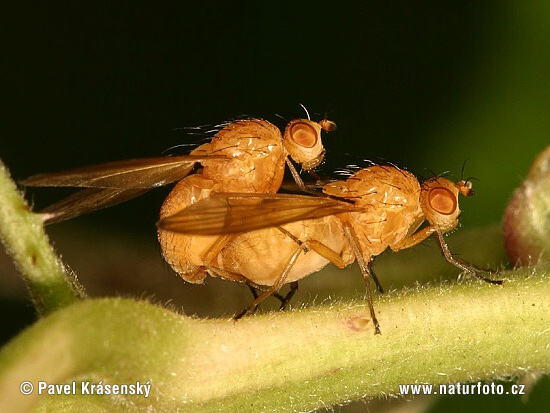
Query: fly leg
[
  {"x": 283, "y": 299},
  {"x": 286, "y": 299},
  {"x": 298, "y": 179},
  {"x": 318, "y": 247},
  {"x": 275, "y": 287},
  {"x": 230, "y": 276},
  {"x": 211, "y": 254},
  {"x": 213, "y": 251},
  {"x": 414, "y": 239},
  {"x": 305, "y": 246},
  {"x": 424, "y": 233},
  {"x": 253, "y": 290},
  {"x": 376, "y": 281},
  {"x": 460, "y": 263},
  {"x": 364, "y": 265},
  {"x": 293, "y": 285},
  {"x": 337, "y": 260},
  {"x": 233, "y": 276}
]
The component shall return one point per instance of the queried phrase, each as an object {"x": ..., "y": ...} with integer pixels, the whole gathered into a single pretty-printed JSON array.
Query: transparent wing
[
  {"x": 226, "y": 213},
  {"x": 111, "y": 183},
  {"x": 142, "y": 173},
  {"x": 87, "y": 200}
]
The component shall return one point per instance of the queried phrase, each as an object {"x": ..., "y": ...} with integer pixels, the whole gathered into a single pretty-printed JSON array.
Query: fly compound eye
[
  {"x": 442, "y": 201},
  {"x": 303, "y": 134}
]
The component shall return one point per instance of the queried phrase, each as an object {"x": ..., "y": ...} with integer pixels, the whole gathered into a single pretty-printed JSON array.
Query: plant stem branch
[
  {"x": 22, "y": 233},
  {"x": 284, "y": 361}
]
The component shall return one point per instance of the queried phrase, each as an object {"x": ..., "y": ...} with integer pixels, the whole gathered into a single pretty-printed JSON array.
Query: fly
[
  {"x": 278, "y": 239},
  {"x": 247, "y": 155}
]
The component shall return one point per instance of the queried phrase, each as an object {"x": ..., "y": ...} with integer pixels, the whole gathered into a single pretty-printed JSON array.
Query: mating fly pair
[{"x": 228, "y": 220}]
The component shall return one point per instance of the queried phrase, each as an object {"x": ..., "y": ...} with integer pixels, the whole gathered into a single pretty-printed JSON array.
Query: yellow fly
[{"x": 267, "y": 241}]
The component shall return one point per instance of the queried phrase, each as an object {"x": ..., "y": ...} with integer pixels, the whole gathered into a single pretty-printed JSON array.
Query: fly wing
[
  {"x": 111, "y": 183},
  {"x": 226, "y": 213},
  {"x": 87, "y": 200},
  {"x": 142, "y": 173}
]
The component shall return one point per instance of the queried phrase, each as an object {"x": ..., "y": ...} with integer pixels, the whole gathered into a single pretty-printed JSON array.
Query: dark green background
[{"x": 426, "y": 85}]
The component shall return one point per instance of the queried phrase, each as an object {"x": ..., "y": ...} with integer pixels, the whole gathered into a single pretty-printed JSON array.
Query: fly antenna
[
  {"x": 326, "y": 124},
  {"x": 465, "y": 185}
]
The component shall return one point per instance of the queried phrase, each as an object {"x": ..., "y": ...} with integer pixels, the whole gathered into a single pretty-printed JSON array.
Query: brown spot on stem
[{"x": 358, "y": 323}]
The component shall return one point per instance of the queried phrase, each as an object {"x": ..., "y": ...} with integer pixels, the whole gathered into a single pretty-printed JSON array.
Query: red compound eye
[
  {"x": 303, "y": 134},
  {"x": 442, "y": 200}
]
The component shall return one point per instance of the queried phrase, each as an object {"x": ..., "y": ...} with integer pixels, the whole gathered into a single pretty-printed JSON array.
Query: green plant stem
[
  {"x": 283, "y": 361},
  {"x": 23, "y": 236}
]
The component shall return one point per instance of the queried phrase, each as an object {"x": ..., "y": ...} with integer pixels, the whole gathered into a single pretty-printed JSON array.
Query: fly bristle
[
  {"x": 305, "y": 110},
  {"x": 187, "y": 146},
  {"x": 348, "y": 170},
  {"x": 343, "y": 172},
  {"x": 281, "y": 117},
  {"x": 204, "y": 133},
  {"x": 370, "y": 162},
  {"x": 439, "y": 175},
  {"x": 202, "y": 130}
]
